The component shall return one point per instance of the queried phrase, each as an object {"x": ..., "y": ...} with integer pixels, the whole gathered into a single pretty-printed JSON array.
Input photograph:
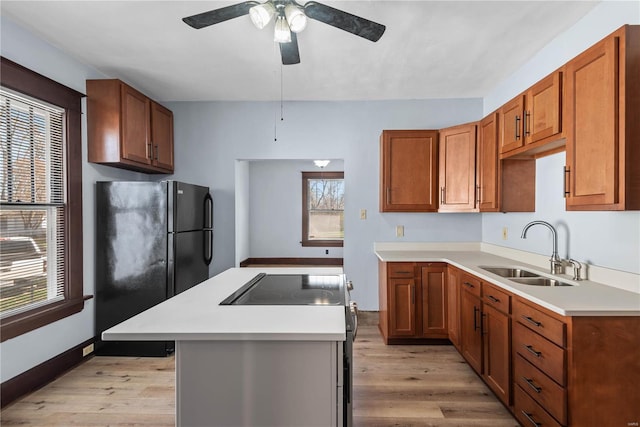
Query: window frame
[
  {"x": 306, "y": 176},
  {"x": 23, "y": 80}
]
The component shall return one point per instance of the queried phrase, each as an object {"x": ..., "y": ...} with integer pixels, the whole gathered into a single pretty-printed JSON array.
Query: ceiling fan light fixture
[
  {"x": 282, "y": 33},
  {"x": 261, "y": 14},
  {"x": 296, "y": 18}
]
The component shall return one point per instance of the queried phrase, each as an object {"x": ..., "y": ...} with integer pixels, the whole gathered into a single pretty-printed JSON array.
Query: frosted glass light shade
[
  {"x": 296, "y": 18},
  {"x": 282, "y": 34},
  {"x": 321, "y": 163},
  {"x": 261, "y": 14}
]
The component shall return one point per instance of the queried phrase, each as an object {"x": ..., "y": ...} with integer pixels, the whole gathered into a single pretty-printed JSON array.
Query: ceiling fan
[{"x": 290, "y": 18}]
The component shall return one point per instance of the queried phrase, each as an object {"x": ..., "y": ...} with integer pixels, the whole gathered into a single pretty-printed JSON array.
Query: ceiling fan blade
[
  {"x": 345, "y": 21},
  {"x": 289, "y": 51},
  {"x": 216, "y": 16}
]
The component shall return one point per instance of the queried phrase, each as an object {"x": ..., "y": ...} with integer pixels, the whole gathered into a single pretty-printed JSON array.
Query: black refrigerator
[{"x": 153, "y": 241}]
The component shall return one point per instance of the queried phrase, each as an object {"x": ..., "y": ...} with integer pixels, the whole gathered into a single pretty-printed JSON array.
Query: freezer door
[
  {"x": 187, "y": 260},
  {"x": 190, "y": 207}
]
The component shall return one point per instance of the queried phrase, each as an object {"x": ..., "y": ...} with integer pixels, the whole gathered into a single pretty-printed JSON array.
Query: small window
[{"x": 322, "y": 208}]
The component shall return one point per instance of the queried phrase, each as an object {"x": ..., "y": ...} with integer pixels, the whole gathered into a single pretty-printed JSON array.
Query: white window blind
[{"x": 32, "y": 203}]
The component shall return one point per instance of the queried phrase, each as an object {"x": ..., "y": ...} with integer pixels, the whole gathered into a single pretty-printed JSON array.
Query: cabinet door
[
  {"x": 433, "y": 287},
  {"x": 592, "y": 134},
  {"x": 453, "y": 306},
  {"x": 470, "y": 318},
  {"x": 488, "y": 191},
  {"x": 496, "y": 329},
  {"x": 135, "y": 125},
  {"x": 409, "y": 171},
  {"x": 542, "y": 117},
  {"x": 402, "y": 313},
  {"x": 458, "y": 169},
  {"x": 162, "y": 136},
  {"x": 511, "y": 136}
]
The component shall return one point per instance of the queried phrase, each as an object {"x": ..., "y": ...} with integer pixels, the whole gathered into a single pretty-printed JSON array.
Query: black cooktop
[{"x": 289, "y": 289}]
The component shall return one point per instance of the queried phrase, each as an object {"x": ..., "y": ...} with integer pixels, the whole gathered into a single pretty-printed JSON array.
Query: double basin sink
[{"x": 524, "y": 277}]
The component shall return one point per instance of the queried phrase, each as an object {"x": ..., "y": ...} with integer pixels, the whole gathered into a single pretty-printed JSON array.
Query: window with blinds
[
  {"x": 322, "y": 208},
  {"x": 32, "y": 203}
]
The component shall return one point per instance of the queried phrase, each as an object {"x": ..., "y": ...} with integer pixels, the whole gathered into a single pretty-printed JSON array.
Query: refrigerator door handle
[
  {"x": 208, "y": 211},
  {"x": 208, "y": 246}
]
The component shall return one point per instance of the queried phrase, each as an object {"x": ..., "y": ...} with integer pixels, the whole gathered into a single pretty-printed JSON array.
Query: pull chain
[{"x": 275, "y": 122}]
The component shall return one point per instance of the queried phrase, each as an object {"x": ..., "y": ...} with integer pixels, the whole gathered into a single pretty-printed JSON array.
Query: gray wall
[
  {"x": 607, "y": 239},
  {"x": 275, "y": 211}
]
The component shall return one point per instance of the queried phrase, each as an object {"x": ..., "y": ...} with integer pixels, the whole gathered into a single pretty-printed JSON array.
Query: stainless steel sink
[
  {"x": 509, "y": 272},
  {"x": 539, "y": 281}
]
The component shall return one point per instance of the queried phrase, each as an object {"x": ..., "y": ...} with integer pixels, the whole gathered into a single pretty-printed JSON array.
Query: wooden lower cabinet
[
  {"x": 496, "y": 330},
  {"x": 453, "y": 305},
  {"x": 413, "y": 301},
  {"x": 470, "y": 330}
]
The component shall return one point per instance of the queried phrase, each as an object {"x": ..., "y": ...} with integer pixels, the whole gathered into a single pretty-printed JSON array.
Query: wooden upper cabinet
[
  {"x": 408, "y": 171},
  {"x": 488, "y": 166},
  {"x": 458, "y": 169},
  {"x": 135, "y": 125},
  {"x": 511, "y": 124},
  {"x": 603, "y": 113},
  {"x": 543, "y": 110},
  {"x": 126, "y": 129},
  {"x": 531, "y": 123},
  {"x": 162, "y": 136}
]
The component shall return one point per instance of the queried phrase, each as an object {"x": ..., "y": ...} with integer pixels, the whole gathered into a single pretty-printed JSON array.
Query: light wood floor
[{"x": 393, "y": 386}]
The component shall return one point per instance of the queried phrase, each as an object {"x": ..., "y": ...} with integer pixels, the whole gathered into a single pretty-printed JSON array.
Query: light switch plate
[
  {"x": 399, "y": 230},
  {"x": 363, "y": 214}
]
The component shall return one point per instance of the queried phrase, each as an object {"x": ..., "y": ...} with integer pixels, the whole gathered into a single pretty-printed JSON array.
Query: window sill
[{"x": 323, "y": 243}]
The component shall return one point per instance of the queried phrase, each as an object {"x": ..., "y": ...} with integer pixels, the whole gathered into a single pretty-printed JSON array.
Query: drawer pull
[
  {"x": 532, "y": 351},
  {"x": 493, "y": 299},
  {"x": 469, "y": 284},
  {"x": 530, "y": 419},
  {"x": 532, "y": 385},
  {"x": 404, "y": 272},
  {"x": 533, "y": 322}
]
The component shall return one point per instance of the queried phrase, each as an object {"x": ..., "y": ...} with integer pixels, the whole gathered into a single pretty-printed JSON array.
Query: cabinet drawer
[
  {"x": 552, "y": 329},
  {"x": 471, "y": 284},
  {"x": 496, "y": 298},
  {"x": 400, "y": 270},
  {"x": 541, "y": 388},
  {"x": 529, "y": 413},
  {"x": 541, "y": 353}
]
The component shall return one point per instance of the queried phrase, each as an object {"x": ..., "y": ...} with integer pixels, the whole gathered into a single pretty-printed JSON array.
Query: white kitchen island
[{"x": 248, "y": 365}]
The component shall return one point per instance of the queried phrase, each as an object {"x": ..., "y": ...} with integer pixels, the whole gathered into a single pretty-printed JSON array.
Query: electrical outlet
[
  {"x": 87, "y": 350},
  {"x": 399, "y": 230},
  {"x": 505, "y": 233},
  {"x": 363, "y": 214}
]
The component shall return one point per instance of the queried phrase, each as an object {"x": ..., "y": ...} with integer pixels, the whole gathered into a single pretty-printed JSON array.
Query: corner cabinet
[
  {"x": 126, "y": 129},
  {"x": 458, "y": 169},
  {"x": 409, "y": 171},
  {"x": 413, "y": 301},
  {"x": 603, "y": 113}
]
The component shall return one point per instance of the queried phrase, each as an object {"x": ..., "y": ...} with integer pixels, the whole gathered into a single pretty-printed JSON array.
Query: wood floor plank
[{"x": 396, "y": 385}]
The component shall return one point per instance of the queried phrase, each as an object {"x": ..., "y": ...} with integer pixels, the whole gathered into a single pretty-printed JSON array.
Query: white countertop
[
  {"x": 195, "y": 314},
  {"x": 587, "y": 298}
]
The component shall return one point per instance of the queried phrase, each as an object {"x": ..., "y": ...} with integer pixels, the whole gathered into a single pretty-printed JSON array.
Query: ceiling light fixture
[
  {"x": 321, "y": 163},
  {"x": 296, "y": 18},
  {"x": 282, "y": 33},
  {"x": 261, "y": 14}
]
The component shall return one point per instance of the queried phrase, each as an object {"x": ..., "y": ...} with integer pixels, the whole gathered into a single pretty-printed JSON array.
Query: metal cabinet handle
[
  {"x": 532, "y": 351},
  {"x": 478, "y": 193},
  {"x": 442, "y": 195},
  {"x": 567, "y": 180},
  {"x": 482, "y": 323},
  {"x": 531, "y": 384},
  {"x": 493, "y": 299},
  {"x": 468, "y": 284},
  {"x": 156, "y": 150},
  {"x": 527, "y": 123},
  {"x": 388, "y": 195},
  {"x": 413, "y": 296},
  {"x": 150, "y": 151},
  {"x": 532, "y": 321},
  {"x": 475, "y": 322},
  {"x": 530, "y": 419},
  {"x": 517, "y": 127}
]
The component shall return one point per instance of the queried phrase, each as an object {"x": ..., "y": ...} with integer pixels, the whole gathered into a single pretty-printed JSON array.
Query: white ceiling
[{"x": 431, "y": 49}]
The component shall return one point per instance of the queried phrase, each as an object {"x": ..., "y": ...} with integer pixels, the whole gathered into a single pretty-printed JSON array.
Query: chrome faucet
[
  {"x": 557, "y": 265},
  {"x": 577, "y": 267}
]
